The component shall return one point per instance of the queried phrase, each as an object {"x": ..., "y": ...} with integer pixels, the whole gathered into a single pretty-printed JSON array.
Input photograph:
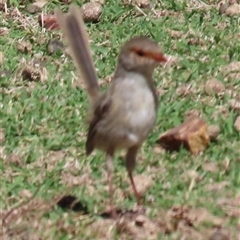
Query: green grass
[{"x": 44, "y": 122}]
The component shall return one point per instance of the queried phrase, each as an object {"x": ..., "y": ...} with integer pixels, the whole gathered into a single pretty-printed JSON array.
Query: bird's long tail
[{"x": 74, "y": 31}]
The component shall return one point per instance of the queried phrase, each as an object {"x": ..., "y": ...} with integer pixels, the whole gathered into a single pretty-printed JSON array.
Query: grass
[{"x": 44, "y": 126}]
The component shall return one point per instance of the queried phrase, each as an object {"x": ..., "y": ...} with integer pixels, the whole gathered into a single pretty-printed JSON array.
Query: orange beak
[{"x": 159, "y": 57}]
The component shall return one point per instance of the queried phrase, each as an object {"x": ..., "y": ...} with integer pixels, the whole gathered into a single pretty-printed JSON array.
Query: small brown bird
[{"x": 122, "y": 117}]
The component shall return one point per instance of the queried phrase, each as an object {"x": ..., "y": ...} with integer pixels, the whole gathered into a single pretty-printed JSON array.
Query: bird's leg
[
  {"x": 130, "y": 164},
  {"x": 110, "y": 169}
]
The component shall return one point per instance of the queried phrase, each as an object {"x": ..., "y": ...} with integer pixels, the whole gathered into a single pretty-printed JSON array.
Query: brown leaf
[
  {"x": 48, "y": 21},
  {"x": 192, "y": 134}
]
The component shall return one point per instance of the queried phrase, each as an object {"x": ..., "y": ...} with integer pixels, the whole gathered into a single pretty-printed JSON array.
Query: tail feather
[{"x": 74, "y": 31}]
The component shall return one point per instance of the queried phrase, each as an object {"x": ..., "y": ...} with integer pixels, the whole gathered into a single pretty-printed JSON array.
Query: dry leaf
[
  {"x": 48, "y": 21},
  {"x": 192, "y": 134}
]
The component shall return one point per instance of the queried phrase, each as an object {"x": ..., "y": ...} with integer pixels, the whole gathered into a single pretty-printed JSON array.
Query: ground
[{"x": 43, "y": 127}]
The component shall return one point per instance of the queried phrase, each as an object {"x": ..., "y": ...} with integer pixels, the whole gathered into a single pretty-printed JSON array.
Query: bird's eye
[{"x": 140, "y": 53}]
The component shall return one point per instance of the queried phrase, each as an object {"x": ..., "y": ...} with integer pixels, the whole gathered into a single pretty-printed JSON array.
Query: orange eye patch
[{"x": 159, "y": 57}]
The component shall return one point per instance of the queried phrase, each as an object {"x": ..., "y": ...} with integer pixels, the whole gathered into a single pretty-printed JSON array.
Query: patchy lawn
[{"x": 50, "y": 190}]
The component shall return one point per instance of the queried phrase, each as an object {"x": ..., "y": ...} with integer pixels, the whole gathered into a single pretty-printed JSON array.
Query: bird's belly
[
  {"x": 141, "y": 119},
  {"x": 130, "y": 123}
]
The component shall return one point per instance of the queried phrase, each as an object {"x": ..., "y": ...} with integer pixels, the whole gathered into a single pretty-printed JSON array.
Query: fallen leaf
[
  {"x": 48, "y": 21},
  {"x": 192, "y": 134}
]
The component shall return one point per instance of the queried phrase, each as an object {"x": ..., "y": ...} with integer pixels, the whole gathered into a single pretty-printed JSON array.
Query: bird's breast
[{"x": 136, "y": 101}]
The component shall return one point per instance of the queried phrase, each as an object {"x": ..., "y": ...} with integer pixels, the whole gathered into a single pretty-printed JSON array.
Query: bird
[{"x": 124, "y": 115}]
